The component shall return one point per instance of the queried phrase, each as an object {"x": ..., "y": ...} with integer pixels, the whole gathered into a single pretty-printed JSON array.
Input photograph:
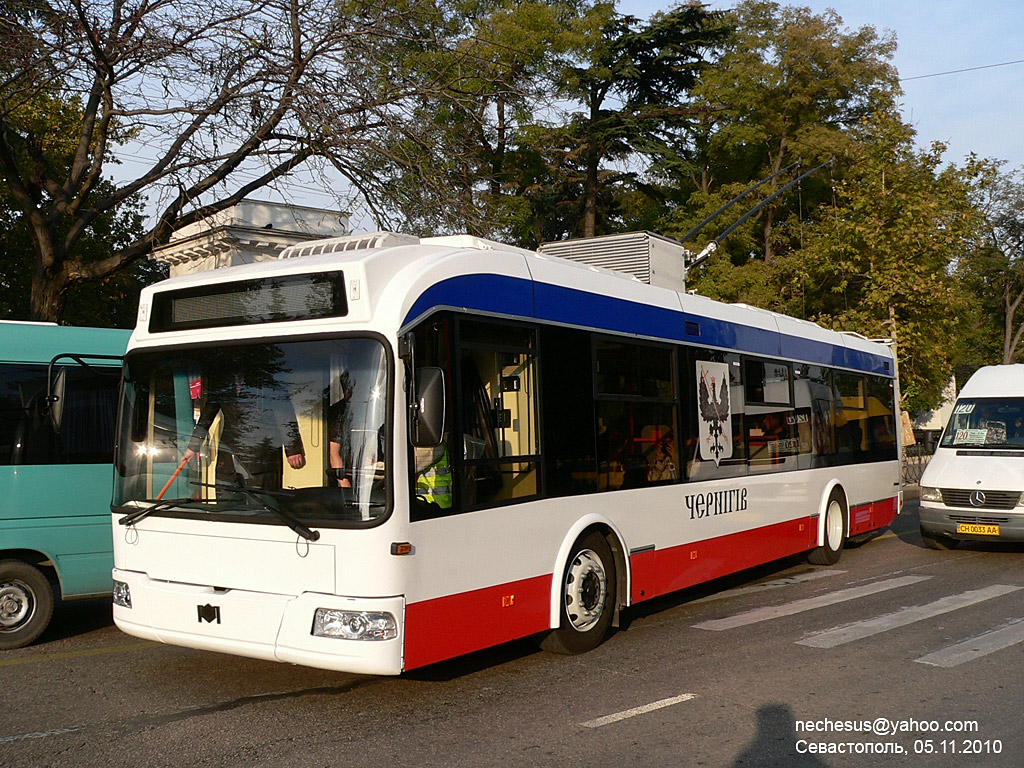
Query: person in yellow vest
[{"x": 434, "y": 476}]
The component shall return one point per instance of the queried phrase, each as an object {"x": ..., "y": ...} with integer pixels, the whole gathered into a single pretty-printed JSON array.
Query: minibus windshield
[{"x": 996, "y": 423}]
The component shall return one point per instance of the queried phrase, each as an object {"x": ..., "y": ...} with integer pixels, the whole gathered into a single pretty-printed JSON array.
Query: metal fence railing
[{"x": 915, "y": 459}]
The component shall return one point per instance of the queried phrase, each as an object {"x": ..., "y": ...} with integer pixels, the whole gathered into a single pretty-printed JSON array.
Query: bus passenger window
[
  {"x": 815, "y": 415},
  {"x": 851, "y": 419},
  {"x": 498, "y": 400},
  {"x": 636, "y": 415},
  {"x": 772, "y": 434}
]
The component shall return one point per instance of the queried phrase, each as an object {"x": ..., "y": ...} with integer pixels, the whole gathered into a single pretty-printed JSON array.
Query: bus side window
[
  {"x": 498, "y": 415},
  {"x": 635, "y": 398}
]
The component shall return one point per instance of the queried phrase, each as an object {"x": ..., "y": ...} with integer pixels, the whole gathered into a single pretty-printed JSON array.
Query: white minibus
[{"x": 973, "y": 486}]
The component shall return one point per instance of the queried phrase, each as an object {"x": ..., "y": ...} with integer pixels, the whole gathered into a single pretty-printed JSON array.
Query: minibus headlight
[
  {"x": 354, "y": 625},
  {"x": 930, "y": 494},
  {"x": 1020, "y": 501},
  {"x": 122, "y": 594}
]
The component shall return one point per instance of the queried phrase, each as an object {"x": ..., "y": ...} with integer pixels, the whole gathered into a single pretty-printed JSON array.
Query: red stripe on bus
[
  {"x": 450, "y": 626},
  {"x": 667, "y": 570},
  {"x": 870, "y": 517}
]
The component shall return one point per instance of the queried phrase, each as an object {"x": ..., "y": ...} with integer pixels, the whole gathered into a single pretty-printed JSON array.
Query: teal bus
[{"x": 58, "y": 396}]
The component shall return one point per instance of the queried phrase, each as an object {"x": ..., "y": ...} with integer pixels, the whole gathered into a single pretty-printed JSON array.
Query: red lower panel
[
  {"x": 446, "y": 627},
  {"x": 680, "y": 567},
  {"x": 872, "y": 516}
]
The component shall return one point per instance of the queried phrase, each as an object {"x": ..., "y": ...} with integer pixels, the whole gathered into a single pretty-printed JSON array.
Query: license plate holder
[{"x": 977, "y": 529}]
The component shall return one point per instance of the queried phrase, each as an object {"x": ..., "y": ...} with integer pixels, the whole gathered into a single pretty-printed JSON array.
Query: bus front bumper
[
  {"x": 262, "y": 626},
  {"x": 966, "y": 524}
]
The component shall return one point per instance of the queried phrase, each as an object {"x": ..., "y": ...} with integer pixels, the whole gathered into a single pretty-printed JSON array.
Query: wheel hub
[
  {"x": 15, "y": 605},
  {"x": 586, "y": 585}
]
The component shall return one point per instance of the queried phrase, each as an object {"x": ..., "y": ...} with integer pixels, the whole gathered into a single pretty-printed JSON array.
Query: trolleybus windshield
[{"x": 286, "y": 432}]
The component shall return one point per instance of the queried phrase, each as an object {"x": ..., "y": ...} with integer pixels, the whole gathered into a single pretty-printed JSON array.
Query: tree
[
  {"x": 789, "y": 85},
  {"x": 880, "y": 261},
  {"x": 632, "y": 91},
  {"x": 221, "y": 98},
  {"x": 112, "y": 301},
  {"x": 994, "y": 272},
  {"x": 508, "y": 57}
]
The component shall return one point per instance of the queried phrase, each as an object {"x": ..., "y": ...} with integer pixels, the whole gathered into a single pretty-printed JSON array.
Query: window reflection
[
  {"x": 301, "y": 422},
  {"x": 636, "y": 415}
]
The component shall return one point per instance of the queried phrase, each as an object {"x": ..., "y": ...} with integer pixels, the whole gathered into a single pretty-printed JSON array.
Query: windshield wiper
[
  {"x": 134, "y": 517},
  {"x": 289, "y": 520}
]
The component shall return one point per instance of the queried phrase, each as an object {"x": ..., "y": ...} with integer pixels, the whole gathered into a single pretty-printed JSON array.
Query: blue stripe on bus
[
  {"x": 484, "y": 293},
  {"x": 516, "y": 297}
]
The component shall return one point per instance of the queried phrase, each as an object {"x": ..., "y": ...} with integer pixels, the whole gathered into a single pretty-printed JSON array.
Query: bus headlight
[
  {"x": 354, "y": 625},
  {"x": 931, "y": 494},
  {"x": 122, "y": 594}
]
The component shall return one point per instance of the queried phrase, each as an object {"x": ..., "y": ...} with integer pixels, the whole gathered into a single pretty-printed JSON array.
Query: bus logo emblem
[
  {"x": 209, "y": 613},
  {"x": 978, "y": 499},
  {"x": 713, "y": 408}
]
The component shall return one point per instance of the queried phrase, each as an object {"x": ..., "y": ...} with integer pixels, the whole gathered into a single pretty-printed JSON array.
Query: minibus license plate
[{"x": 978, "y": 530}]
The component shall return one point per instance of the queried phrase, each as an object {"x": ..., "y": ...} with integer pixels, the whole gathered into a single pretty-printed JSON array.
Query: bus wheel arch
[
  {"x": 587, "y": 591},
  {"x": 834, "y": 528},
  {"x": 26, "y": 603}
]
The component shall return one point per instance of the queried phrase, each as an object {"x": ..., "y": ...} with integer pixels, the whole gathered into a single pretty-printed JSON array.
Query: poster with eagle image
[{"x": 715, "y": 426}]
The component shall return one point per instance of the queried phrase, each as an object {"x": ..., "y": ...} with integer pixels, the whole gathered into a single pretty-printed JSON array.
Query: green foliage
[
  {"x": 880, "y": 261},
  {"x": 499, "y": 59},
  {"x": 992, "y": 275},
  {"x": 632, "y": 97},
  {"x": 788, "y": 85},
  {"x": 50, "y": 124}
]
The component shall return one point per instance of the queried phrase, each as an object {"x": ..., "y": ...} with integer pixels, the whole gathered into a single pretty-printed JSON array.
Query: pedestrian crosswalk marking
[
  {"x": 976, "y": 647},
  {"x": 786, "y": 581},
  {"x": 799, "y": 606},
  {"x": 873, "y": 626}
]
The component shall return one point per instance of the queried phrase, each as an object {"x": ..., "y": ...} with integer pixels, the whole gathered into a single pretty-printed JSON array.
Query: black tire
[
  {"x": 26, "y": 603},
  {"x": 588, "y": 597},
  {"x": 835, "y": 532},
  {"x": 938, "y": 541}
]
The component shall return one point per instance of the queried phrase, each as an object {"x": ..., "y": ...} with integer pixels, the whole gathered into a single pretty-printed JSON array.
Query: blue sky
[{"x": 980, "y": 111}]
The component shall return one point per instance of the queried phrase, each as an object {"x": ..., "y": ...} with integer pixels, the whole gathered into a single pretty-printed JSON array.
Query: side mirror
[
  {"x": 55, "y": 399},
  {"x": 427, "y": 414}
]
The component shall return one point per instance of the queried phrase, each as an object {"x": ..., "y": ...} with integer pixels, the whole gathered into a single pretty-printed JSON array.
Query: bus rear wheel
[
  {"x": 835, "y": 533},
  {"x": 587, "y": 596},
  {"x": 26, "y": 603}
]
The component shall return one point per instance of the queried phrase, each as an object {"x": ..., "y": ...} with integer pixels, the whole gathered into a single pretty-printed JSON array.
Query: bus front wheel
[
  {"x": 26, "y": 603},
  {"x": 587, "y": 597},
  {"x": 835, "y": 532}
]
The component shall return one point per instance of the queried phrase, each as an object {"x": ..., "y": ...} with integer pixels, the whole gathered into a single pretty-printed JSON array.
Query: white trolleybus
[{"x": 374, "y": 459}]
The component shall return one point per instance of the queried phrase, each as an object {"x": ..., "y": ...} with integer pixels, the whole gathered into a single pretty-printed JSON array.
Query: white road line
[
  {"x": 845, "y": 634},
  {"x": 976, "y": 647},
  {"x": 768, "y": 585},
  {"x": 40, "y": 734},
  {"x": 807, "y": 604},
  {"x": 642, "y": 710}
]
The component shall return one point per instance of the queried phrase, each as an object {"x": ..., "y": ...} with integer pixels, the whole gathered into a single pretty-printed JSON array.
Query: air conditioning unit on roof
[{"x": 648, "y": 257}]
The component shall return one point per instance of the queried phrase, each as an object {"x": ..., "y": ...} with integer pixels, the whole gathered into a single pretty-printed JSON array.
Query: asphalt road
[{"x": 898, "y": 655}]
